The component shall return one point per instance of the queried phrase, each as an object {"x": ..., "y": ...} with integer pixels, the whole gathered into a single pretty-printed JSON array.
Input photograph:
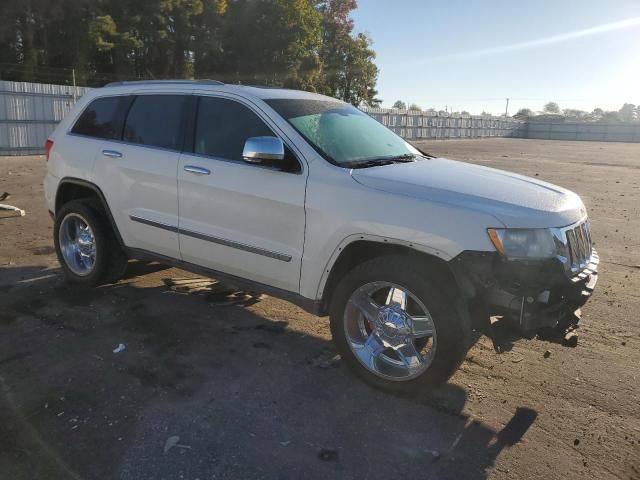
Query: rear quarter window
[{"x": 102, "y": 118}]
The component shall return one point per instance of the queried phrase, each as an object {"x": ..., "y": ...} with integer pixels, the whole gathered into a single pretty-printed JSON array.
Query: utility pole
[
  {"x": 73, "y": 76},
  {"x": 506, "y": 110}
]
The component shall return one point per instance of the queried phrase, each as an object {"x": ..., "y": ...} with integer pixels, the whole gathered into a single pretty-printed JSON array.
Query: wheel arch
[
  {"x": 360, "y": 248},
  {"x": 77, "y": 189}
]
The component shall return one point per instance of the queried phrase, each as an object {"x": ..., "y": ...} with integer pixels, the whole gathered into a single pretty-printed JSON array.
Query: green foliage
[
  {"x": 524, "y": 113},
  {"x": 103, "y": 32},
  {"x": 348, "y": 71},
  {"x": 575, "y": 114},
  {"x": 307, "y": 44},
  {"x": 414, "y": 106},
  {"x": 400, "y": 105},
  {"x": 551, "y": 107},
  {"x": 629, "y": 113}
]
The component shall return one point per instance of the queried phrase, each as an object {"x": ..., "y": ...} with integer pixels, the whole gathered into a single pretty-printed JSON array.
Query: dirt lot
[{"x": 251, "y": 393}]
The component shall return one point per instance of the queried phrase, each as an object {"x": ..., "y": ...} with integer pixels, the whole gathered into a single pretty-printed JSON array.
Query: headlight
[{"x": 524, "y": 243}]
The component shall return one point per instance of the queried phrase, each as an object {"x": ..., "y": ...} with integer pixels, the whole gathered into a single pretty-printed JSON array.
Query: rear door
[
  {"x": 239, "y": 218},
  {"x": 138, "y": 172}
]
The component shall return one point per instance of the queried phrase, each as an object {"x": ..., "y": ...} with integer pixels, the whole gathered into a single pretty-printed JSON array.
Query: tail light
[{"x": 48, "y": 145}]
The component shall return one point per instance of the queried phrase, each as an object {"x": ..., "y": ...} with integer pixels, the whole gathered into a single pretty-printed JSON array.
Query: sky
[{"x": 471, "y": 55}]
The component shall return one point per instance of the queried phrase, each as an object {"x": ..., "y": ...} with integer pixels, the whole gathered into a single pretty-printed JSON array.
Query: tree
[
  {"x": 414, "y": 106},
  {"x": 347, "y": 61},
  {"x": 360, "y": 73},
  {"x": 523, "y": 113},
  {"x": 575, "y": 114},
  {"x": 400, "y": 105},
  {"x": 596, "y": 114},
  {"x": 551, "y": 107},
  {"x": 628, "y": 112},
  {"x": 306, "y": 44},
  {"x": 611, "y": 117}
]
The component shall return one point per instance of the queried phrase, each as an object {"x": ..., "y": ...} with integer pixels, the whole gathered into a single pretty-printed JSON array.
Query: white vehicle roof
[{"x": 262, "y": 93}]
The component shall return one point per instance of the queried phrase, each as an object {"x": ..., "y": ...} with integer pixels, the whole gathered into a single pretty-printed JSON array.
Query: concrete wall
[{"x": 601, "y": 132}]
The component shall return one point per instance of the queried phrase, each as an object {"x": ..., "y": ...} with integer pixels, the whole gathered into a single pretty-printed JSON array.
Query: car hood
[{"x": 515, "y": 200}]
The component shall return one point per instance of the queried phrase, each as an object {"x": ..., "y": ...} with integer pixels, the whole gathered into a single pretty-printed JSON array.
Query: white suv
[{"x": 306, "y": 198}]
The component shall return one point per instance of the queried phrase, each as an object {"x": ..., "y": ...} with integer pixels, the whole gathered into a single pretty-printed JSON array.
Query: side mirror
[{"x": 257, "y": 149}]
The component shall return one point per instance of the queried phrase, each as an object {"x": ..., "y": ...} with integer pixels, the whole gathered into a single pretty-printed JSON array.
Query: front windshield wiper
[{"x": 387, "y": 160}]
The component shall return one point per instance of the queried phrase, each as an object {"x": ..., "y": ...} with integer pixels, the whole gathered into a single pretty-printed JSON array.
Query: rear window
[
  {"x": 101, "y": 118},
  {"x": 156, "y": 120}
]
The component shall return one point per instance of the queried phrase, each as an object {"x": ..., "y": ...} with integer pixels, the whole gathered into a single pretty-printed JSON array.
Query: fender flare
[
  {"x": 376, "y": 239},
  {"x": 101, "y": 198}
]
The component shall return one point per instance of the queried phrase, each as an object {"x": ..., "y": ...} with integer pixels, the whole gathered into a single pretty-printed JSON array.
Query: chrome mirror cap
[{"x": 257, "y": 149}]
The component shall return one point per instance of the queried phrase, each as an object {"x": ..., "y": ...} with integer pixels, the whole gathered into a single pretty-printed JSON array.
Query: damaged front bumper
[{"x": 530, "y": 294}]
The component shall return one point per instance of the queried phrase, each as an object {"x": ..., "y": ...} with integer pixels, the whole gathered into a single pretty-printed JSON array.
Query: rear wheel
[
  {"x": 86, "y": 246},
  {"x": 395, "y": 327}
]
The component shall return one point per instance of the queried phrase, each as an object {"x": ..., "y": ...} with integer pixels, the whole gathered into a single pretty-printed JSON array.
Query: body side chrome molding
[
  {"x": 153, "y": 223},
  {"x": 210, "y": 238}
]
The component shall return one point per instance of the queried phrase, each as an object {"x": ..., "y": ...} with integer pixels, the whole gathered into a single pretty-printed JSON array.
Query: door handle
[
  {"x": 196, "y": 170},
  {"x": 111, "y": 153}
]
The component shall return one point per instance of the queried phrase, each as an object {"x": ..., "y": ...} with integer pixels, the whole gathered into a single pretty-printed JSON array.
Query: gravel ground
[{"x": 203, "y": 390}]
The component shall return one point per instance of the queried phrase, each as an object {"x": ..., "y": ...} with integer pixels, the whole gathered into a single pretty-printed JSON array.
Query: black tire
[
  {"x": 424, "y": 284},
  {"x": 110, "y": 263}
]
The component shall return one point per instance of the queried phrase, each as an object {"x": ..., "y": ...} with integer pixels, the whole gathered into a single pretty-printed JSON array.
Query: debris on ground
[
  {"x": 570, "y": 340},
  {"x": 119, "y": 348},
  {"x": 4, "y": 196},
  {"x": 217, "y": 293},
  {"x": 328, "y": 455},
  {"x": 435, "y": 454},
  {"x": 189, "y": 284},
  {"x": 547, "y": 354},
  {"x": 171, "y": 442},
  {"x": 285, "y": 443},
  {"x": 326, "y": 359},
  {"x": 517, "y": 360},
  {"x": 18, "y": 212}
]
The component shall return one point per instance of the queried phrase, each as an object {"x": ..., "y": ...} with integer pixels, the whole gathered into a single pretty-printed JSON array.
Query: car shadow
[{"x": 137, "y": 380}]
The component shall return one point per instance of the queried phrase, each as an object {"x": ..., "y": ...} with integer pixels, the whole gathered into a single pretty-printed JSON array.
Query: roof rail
[{"x": 164, "y": 82}]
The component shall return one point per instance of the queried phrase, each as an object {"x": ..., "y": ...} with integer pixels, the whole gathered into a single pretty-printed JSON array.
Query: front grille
[{"x": 578, "y": 246}]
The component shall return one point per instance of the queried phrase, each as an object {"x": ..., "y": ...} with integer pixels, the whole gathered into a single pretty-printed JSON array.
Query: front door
[{"x": 239, "y": 218}]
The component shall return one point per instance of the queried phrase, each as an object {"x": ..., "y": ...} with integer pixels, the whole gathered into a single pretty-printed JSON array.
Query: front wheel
[{"x": 395, "y": 327}]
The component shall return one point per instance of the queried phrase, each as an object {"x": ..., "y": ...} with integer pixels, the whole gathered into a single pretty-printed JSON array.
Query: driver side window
[{"x": 222, "y": 127}]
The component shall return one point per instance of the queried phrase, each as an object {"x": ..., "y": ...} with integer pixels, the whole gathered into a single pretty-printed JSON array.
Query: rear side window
[
  {"x": 156, "y": 120},
  {"x": 223, "y": 126},
  {"x": 101, "y": 118}
]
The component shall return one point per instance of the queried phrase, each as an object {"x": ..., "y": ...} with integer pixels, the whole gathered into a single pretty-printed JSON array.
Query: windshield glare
[{"x": 341, "y": 133}]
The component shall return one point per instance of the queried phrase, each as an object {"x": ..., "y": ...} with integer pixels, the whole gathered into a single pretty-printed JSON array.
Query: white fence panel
[{"x": 29, "y": 112}]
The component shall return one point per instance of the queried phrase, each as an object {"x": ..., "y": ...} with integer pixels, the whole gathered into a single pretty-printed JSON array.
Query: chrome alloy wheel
[
  {"x": 77, "y": 244},
  {"x": 390, "y": 331}
]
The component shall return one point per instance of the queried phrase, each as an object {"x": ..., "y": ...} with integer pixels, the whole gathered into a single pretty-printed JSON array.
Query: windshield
[{"x": 341, "y": 133}]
